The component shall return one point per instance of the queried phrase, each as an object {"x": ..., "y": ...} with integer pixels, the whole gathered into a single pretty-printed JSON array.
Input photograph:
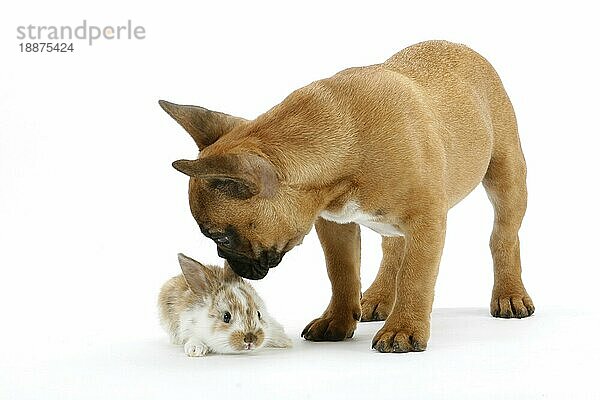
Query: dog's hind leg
[
  {"x": 341, "y": 245},
  {"x": 505, "y": 185},
  {"x": 378, "y": 299}
]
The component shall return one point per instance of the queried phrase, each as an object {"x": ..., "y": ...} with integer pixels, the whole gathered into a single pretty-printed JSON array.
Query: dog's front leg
[
  {"x": 341, "y": 245},
  {"x": 407, "y": 327},
  {"x": 377, "y": 301}
]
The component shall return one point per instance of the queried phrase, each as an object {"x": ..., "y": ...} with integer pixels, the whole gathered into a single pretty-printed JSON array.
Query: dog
[{"x": 391, "y": 146}]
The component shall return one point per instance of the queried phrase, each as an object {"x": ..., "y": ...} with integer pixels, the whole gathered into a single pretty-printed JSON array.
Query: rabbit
[{"x": 208, "y": 309}]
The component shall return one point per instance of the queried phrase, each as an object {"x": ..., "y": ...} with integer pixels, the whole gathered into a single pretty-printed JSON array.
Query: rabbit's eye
[
  {"x": 226, "y": 317},
  {"x": 258, "y": 314}
]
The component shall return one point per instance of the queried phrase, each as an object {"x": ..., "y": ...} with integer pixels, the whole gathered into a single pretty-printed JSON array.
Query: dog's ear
[
  {"x": 238, "y": 175},
  {"x": 200, "y": 279},
  {"x": 205, "y": 126}
]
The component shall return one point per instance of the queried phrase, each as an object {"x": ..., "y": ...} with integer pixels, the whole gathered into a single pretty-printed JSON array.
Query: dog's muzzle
[{"x": 251, "y": 268}]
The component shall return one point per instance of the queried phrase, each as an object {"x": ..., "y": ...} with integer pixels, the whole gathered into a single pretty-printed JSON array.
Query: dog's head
[{"x": 236, "y": 196}]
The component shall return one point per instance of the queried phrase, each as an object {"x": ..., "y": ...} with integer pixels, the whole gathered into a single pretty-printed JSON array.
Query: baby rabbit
[{"x": 211, "y": 309}]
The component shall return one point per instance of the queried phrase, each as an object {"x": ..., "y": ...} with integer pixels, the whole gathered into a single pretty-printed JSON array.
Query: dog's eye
[
  {"x": 223, "y": 240},
  {"x": 226, "y": 317},
  {"x": 258, "y": 314}
]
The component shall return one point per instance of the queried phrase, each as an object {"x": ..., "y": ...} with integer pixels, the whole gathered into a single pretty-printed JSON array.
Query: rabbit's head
[{"x": 231, "y": 307}]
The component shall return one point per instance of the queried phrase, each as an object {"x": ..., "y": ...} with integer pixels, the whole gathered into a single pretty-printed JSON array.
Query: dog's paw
[
  {"x": 330, "y": 329},
  {"x": 511, "y": 306},
  {"x": 195, "y": 349},
  {"x": 401, "y": 339},
  {"x": 375, "y": 306}
]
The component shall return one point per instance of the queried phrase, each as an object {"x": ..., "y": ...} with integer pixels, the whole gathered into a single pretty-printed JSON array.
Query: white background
[{"x": 92, "y": 214}]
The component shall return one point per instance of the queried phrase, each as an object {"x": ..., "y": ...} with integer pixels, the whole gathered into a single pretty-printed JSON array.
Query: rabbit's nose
[{"x": 249, "y": 338}]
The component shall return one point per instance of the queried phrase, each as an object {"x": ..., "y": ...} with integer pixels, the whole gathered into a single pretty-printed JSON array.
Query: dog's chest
[{"x": 351, "y": 212}]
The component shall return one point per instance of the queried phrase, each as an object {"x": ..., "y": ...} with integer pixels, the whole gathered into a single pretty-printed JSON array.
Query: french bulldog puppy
[{"x": 390, "y": 146}]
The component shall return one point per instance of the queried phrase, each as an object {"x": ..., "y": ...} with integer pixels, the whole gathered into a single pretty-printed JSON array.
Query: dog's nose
[
  {"x": 246, "y": 267},
  {"x": 270, "y": 258},
  {"x": 249, "y": 338},
  {"x": 251, "y": 268}
]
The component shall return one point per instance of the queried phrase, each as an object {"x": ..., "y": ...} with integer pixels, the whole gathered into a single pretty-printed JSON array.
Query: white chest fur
[{"x": 351, "y": 212}]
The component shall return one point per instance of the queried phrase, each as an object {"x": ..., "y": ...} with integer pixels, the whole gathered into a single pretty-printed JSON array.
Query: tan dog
[{"x": 391, "y": 146}]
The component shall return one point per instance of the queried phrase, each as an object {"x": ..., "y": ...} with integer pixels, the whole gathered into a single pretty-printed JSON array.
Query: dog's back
[
  {"x": 458, "y": 81},
  {"x": 445, "y": 91}
]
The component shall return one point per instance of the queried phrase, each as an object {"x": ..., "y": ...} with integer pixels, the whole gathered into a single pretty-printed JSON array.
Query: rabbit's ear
[
  {"x": 229, "y": 275},
  {"x": 201, "y": 279}
]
